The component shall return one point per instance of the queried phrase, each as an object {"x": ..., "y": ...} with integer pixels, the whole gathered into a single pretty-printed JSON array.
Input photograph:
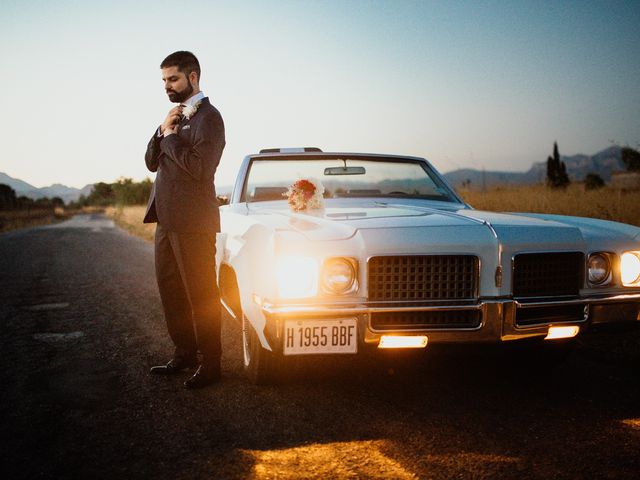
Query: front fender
[{"x": 248, "y": 251}]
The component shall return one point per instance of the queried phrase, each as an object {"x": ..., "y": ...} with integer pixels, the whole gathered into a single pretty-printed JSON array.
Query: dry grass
[
  {"x": 15, "y": 219},
  {"x": 130, "y": 218},
  {"x": 605, "y": 203}
]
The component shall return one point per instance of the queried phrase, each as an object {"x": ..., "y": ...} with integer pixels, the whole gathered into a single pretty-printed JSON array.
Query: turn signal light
[
  {"x": 562, "y": 332},
  {"x": 403, "y": 341}
]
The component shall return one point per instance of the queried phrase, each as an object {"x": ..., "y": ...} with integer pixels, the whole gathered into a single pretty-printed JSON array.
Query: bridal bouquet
[{"x": 305, "y": 194}]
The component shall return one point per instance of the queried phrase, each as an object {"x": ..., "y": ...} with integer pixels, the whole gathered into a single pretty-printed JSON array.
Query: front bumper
[{"x": 500, "y": 319}]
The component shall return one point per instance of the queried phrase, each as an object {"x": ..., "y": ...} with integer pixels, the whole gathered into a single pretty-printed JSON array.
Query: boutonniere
[{"x": 189, "y": 111}]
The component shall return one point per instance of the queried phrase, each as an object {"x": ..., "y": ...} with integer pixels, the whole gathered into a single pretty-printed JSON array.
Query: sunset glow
[{"x": 464, "y": 84}]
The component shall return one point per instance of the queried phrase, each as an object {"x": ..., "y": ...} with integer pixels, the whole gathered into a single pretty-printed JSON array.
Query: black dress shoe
[
  {"x": 205, "y": 375},
  {"x": 175, "y": 365}
]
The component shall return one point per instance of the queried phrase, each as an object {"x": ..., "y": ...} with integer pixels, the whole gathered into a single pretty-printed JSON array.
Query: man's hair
[{"x": 185, "y": 61}]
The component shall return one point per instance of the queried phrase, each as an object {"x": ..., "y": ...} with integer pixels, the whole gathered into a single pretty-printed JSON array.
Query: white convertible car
[{"x": 339, "y": 253}]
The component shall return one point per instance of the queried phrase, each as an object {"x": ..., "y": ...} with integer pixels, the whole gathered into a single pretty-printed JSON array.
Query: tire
[{"x": 262, "y": 366}]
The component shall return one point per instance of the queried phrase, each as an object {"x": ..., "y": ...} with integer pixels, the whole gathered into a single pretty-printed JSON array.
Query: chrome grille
[
  {"x": 548, "y": 274},
  {"x": 441, "y": 319},
  {"x": 422, "y": 277}
]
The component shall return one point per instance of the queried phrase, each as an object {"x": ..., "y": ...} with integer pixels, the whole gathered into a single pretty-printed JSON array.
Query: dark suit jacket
[{"x": 183, "y": 198}]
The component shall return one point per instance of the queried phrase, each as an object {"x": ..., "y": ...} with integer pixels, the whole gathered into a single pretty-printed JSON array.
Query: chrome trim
[
  {"x": 511, "y": 331},
  {"x": 519, "y": 252},
  {"x": 493, "y": 230},
  {"x": 401, "y": 303},
  {"x": 228, "y": 309},
  {"x": 580, "y": 321},
  {"x": 568, "y": 297},
  {"x": 560, "y": 303},
  {"x": 497, "y": 324},
  {"x": 489, "y": 332},
  {"x": 241, "y": 179},
  {"x": 239, "y": 184},
  {"x": 356, "y": 309},
  {"x": 625, "y": 297},
  {"x": 498, "y": 276},
  {"x": 415, "y": 330},
  {"x": 359, "y": 307},
  {"x": 447, "y": 252}
]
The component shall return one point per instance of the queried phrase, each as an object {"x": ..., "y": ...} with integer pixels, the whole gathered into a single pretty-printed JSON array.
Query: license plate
[{"x": 320, "y": 336}]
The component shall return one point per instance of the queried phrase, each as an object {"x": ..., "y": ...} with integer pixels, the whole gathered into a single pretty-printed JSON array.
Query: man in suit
[{"x": 185, "y": 152}]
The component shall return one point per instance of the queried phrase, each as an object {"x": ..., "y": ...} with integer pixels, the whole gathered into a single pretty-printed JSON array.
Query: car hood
[{"x": 335, "y": 223}]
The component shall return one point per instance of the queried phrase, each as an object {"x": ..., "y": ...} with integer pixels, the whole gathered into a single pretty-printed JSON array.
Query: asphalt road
[{"x": 81, "y": 323}]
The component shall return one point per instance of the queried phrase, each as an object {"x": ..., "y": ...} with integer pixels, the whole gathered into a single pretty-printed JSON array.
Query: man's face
[{"x": 176, "y": 84}]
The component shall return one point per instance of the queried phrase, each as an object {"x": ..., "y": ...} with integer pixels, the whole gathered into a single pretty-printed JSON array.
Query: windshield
[{"x": 270, "y": 179}]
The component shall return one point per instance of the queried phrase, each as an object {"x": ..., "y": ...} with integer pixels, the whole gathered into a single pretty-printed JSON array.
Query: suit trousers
[{"x": 186, "y": 275}]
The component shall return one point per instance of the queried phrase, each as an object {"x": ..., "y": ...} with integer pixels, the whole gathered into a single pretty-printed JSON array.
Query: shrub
[{"x": 593, "y": 181}]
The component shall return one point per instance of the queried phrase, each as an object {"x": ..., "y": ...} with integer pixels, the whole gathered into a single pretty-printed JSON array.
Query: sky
[{"x": 478, "y": 84}]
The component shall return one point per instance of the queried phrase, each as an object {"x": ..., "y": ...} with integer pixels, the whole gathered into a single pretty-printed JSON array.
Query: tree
[
  {"x": 556, "y": 170},
  {"x": 101, "y": 195},
  {"x": 8, "y": 200},
  {"x": 43, "y": 202},
  {"x": 631, "y": 158},
  {"x": 593, "y": 181},
  {"x": 25, "y": 202},
  {"x": 128, "y": 192}
]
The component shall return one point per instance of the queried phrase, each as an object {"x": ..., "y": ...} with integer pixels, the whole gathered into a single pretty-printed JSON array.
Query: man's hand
[{"x": 170, "y": 123}]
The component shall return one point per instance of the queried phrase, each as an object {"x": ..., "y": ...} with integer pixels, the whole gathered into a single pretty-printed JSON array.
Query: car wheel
[{"x": 262, "y": 366}]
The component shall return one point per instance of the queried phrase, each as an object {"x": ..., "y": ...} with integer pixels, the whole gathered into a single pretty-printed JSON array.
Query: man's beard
[{"x": 179, "y": 97}]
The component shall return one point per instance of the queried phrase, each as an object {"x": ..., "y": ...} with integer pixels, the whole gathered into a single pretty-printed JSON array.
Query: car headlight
[
  {"x": 339, "y": 275},
  {"x": 630, "y": 269},
  {"x": 599, "y": 268},
  {"x": 296, "y": 276}
]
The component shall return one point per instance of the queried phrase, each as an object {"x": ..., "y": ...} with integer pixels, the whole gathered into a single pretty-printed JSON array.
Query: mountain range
[
  {"x": 22, "y": 188},
  {"x": 604, "y": 163}
]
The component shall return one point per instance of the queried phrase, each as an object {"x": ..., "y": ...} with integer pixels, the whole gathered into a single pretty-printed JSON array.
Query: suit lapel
[{"x": 184, "y": 121}]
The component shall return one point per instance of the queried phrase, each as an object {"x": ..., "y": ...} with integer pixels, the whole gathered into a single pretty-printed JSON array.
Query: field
[
  {"x": 605, "y": 203},
  {"x": 130, "y": 219},
  {"x": 14, "y": 219}
]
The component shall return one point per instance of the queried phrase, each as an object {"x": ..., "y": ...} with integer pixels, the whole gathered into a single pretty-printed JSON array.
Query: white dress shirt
[{"x": 193, "y": 99}]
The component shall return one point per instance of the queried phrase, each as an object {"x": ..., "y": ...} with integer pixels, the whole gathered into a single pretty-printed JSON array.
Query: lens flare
[
  {"x": 630, "y": 269},
  {"x": 297, "y": 276}
]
